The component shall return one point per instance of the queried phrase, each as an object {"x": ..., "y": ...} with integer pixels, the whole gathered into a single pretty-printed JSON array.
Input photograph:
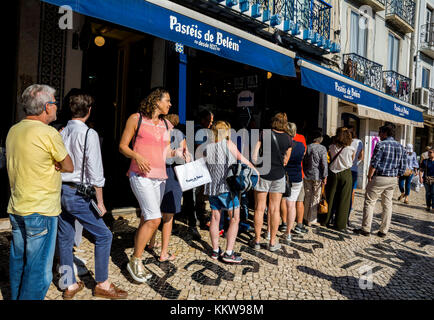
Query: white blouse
[{"x": 343, "y": 161}]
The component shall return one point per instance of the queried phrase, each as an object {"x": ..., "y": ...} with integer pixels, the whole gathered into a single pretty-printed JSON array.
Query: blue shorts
[{"x": 223, "y": 201}]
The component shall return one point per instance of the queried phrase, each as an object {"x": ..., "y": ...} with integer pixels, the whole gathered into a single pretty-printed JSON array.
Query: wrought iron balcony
[
  {"x": 377, "y": 5},
  {"x": 363, "y": 70},
  {"x": 397, "y": 85},
  {"x": 308, "y": 14},
  {"x": 427, "y": 39},
  {"x": 430, "y": 110},
  {"x": 401, "y": 14}
]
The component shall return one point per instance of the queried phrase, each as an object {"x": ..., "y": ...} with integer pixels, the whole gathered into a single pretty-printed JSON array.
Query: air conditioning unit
[{"x": 421, "y": 97}]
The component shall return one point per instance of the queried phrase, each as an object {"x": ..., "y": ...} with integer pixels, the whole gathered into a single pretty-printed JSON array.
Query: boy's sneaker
[
  {"x": 232, "y": 258},
  {"x": 288, "y": 239},
  {"x": 255, "y": 245},
  {"x": 274, "y": 247},
  {"x": 216, "y": 255}
]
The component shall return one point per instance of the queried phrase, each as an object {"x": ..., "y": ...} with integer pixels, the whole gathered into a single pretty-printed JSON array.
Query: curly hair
[
  {"x": 149, "y": 104},
  {"x": 343, "y": 137}
]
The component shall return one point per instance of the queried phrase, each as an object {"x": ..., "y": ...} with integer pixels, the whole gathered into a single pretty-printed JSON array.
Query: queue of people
[{"x": 57, "y": 179}]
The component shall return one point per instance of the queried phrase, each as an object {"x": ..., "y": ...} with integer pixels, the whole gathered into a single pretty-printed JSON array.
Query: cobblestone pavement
[{"x": 324, "y": 264}]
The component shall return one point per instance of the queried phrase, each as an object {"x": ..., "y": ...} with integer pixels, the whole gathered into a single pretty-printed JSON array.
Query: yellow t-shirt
[{"x": 32, "y": 148}]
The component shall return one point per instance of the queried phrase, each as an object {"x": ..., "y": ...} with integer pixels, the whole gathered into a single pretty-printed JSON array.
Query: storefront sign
[
  {"x": 158, "y": 20},
  {"x": 335, "y": 84}
]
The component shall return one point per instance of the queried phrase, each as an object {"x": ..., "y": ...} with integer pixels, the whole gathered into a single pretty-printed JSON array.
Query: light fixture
[
  {"x": 269, "y": 75},
  {"x": 99, "y": 41}
]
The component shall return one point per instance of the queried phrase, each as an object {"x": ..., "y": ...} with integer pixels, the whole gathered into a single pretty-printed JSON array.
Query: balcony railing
[
  {"x": 404, "y": 9},
  {"x": 363, "y": 70},
  {"x": 430, "y": 110},
  {"x": 397, "y": 85},
  {"x": 309, "y": 14}
]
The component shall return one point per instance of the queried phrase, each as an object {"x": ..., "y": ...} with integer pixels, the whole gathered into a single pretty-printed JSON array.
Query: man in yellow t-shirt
[{"x": 35, "y": 156}]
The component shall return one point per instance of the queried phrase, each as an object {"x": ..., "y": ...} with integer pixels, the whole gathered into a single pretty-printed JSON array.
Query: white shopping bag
[{"x": 193, "y": 174}]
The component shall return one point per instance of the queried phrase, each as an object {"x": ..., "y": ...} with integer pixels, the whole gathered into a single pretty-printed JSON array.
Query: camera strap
[{"x": 84, "y": 155}]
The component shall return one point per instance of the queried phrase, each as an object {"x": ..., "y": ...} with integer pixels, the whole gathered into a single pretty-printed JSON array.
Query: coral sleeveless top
[{"x": 152, "y": 142}]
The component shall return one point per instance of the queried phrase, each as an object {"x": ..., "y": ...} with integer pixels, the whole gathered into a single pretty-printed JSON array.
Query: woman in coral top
[{"x": 147, "y": 173}]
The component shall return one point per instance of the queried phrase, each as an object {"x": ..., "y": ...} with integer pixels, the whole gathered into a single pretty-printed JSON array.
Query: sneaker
[
  {"x": 137, "y": 270},
  {"x": 362, "y": 232},
  {"x": 381, "y": 234},
  {"x": 288, "y": 239},
  {"x": 274, "y": 247},
  {"x": 427, "y": 209},
  {"x": 300, "y": 230},
  {"x": 283, "y": 227},
  {"x": 232, "y": 258},
  {"x": 216, "y": 255},
  {"x": 255, "y": 245}
]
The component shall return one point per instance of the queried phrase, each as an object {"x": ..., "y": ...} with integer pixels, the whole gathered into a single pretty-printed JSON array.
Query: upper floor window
[
  {"x": 428, "y": 15},
  {"x": 425, "y": 77},
  {"x": 392, "y": 63},
  {"x": 359, "y": 34}
]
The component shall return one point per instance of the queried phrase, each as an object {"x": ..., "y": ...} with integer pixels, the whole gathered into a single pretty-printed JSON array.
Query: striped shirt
[
  {"x": 218, "y": 161},
  {"x": 389, "y": 158}
]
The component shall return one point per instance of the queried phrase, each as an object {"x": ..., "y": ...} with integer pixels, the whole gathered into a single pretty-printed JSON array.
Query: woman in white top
[{"x": 339, "y": 181}]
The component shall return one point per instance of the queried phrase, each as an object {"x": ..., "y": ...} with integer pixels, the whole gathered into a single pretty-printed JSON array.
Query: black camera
[{"x": 86, "y": 191}]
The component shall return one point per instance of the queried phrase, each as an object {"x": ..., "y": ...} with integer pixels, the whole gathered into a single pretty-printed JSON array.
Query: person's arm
[
  {"x": 324, "y": 166},
  {"x": 287, "y": 156},
  {"x": 371, "y": 173},
  {"x": 421, "y": 171},
  {"x": 127, "y": 135},
  {"x": 256, "y": 152},
  {"x": 100, "y": 200},
  {"x": 65, "y": 165},
  {"x": 354, "y": 155}
]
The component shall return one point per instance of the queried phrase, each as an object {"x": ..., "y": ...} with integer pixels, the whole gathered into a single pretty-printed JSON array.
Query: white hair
[{"x": 35, "y": 97}]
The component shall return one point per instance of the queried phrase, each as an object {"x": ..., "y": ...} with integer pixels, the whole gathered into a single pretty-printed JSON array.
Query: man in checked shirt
[{"x": 388, "y": 162}]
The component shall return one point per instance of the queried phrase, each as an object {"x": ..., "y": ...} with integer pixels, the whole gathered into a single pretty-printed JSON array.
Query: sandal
[{"x": 170, "y": 257}]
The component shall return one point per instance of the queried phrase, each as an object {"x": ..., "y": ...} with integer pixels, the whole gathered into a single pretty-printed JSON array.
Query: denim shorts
[{"x": 223, "y": 201}]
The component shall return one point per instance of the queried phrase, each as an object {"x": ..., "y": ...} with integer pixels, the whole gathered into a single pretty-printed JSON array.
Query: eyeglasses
[{"x": 56, "y": 103}]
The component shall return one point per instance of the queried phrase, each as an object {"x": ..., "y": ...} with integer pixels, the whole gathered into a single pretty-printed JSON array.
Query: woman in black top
[{"x": 276, "y": 144}]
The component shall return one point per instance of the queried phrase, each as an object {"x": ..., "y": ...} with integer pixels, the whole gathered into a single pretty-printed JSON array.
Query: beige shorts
[
  {"x": 301, "y": 194},
  {"x": 276, "y": 186}
]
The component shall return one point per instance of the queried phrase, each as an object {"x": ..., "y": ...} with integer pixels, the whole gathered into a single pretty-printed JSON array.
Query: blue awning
[
  {"x": 374, "y": 103},
  {"x": 170, "y": 21}
]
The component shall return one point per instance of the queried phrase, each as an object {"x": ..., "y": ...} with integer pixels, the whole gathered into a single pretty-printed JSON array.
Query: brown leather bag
[{"x": 323, "y": 207}]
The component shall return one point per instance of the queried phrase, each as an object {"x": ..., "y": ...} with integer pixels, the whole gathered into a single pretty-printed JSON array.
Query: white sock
[
  {"x": 229, "y": 252},
  {"x": 216, "y": 250}
]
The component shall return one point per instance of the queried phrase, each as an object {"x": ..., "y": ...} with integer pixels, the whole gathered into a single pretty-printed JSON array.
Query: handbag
[
  {"x": 408, "y": 172},
  {"x": 192, "y": 174},
  {"x": 288, "y": 183},
  {"x": 323, "y": 207}
]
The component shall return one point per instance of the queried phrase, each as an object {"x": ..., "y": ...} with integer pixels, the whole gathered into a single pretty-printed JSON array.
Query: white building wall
[{"x": 377, "y": 51}]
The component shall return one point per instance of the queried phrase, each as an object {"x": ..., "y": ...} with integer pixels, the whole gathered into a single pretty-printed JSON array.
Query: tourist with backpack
[{"x": 220, "y": 155}]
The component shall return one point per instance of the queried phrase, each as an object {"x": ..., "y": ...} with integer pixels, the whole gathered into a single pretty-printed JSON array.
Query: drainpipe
[{"x": 414, "y": 47}]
